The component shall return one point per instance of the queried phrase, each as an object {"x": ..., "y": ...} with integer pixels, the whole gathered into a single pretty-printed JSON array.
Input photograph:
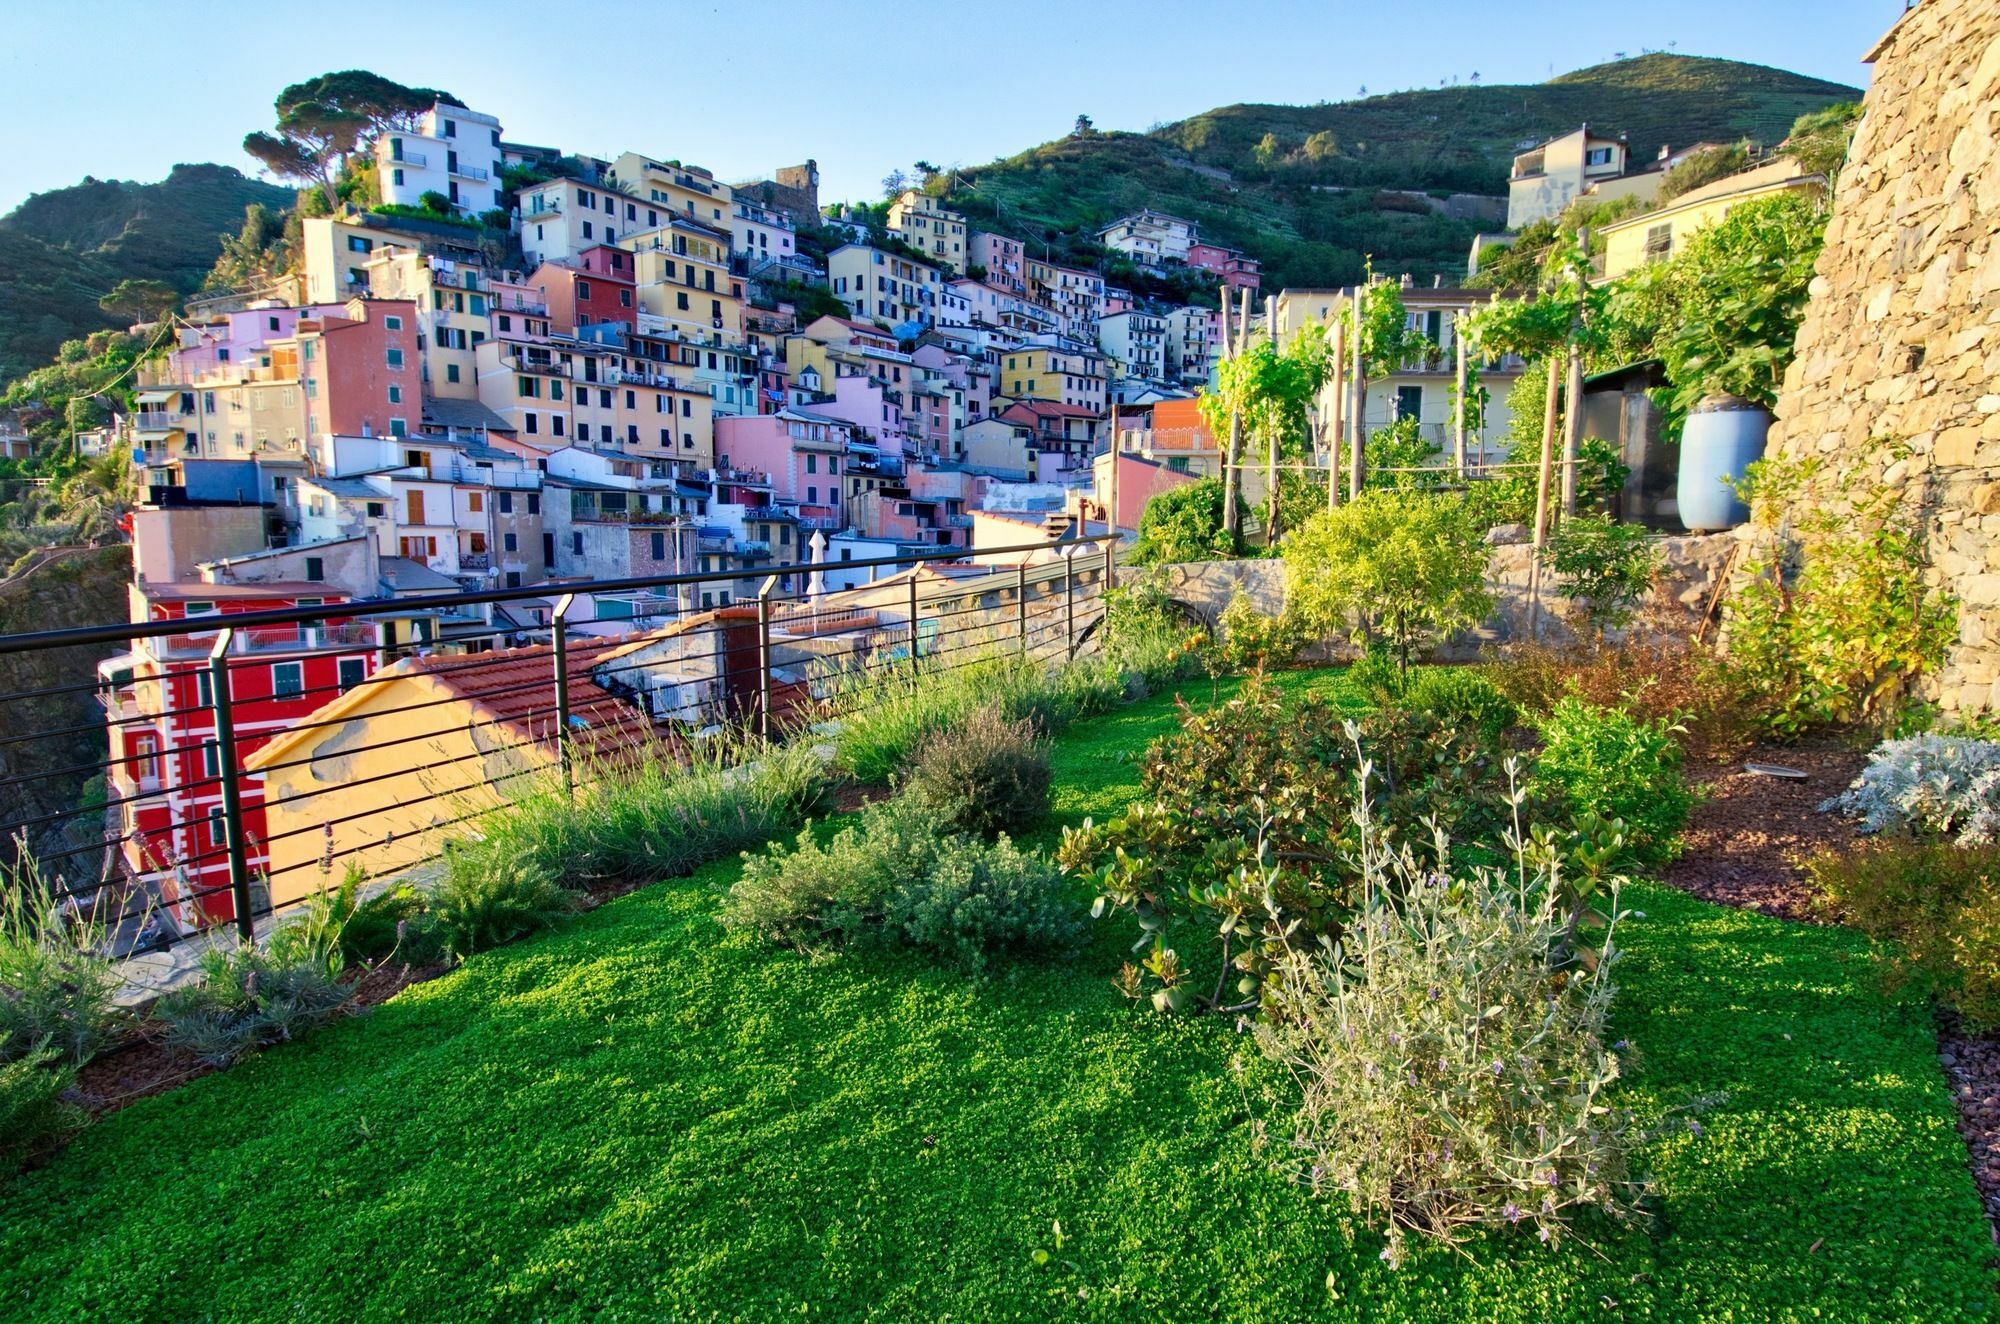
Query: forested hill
[
  {"x": 1304, "y": 187},
  {"x": 61, "y": 250}
]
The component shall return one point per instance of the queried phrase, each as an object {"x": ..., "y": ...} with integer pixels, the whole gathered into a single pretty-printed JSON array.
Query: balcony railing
[
  {"x": 271, "y": 639},
  {"x": 417, "y": 159},
  {"x": 471, "y": 172},
  {"x": 155, "y": 420},
  {"x": 475, "y": 560}
]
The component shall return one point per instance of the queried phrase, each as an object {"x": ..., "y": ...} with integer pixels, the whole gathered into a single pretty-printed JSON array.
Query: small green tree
[
  {"x": 140, "y": 300},
  {"x": 1603, "y": 567},
  {"x": 1819, "y": 139},
  {"x": 1393, "y": 567},
  {"x": 1704, "y": 167},
  {"x": 1272, "y": 391},
  {"x": 1184, "y": 524}
]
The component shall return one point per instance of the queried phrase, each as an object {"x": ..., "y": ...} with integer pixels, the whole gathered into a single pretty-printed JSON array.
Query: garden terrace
[{"x": 641, "y": 1114}]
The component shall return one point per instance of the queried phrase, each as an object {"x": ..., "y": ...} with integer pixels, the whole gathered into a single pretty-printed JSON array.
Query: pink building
[
  {"x": 803, "y": 452},
  {"x": 360, "y": 370},
  {"x": 233, "y": 344},
  {"x": 1239, "y": 271},
  {"x": 598, "y": 289}
]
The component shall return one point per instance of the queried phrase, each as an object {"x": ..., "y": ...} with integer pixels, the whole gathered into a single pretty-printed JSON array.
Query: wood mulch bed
[{"x": 1744, "y": 843}]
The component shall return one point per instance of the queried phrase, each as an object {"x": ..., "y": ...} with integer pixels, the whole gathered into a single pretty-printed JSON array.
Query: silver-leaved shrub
[
  {"x": 1452, "y": 1071},
  {"x": 1928, "y": 785}
]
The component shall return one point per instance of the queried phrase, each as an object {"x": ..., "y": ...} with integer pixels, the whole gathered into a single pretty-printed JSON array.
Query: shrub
[
  {"x": 56, "y": 985},
  {"x": 249, "y": 998},
  {"x": 1608, "y": 763},
  {"x": 1927, "y": 785},
  {"x": 1603, "y": 567},
  {"x": 1447, "y": 1078},
  {"x": 988, "y": 774},
  {"x": 662, "y": 816},
  {"x": 1460, "y": 696},
  {"x": 1848, "y": 635},
  {"x": 1400, "y": 567},
  {"x": 487, "y": 899},
  {"x": 1252, "y": 641},
  {"x": 1666, "y": 679},
  {"x": 1145, "y": 636},
  {"x": 1934, "y": 909},
  {"x": 901, "y": 874},
  {"x": 33, "y": 1106},
  {"x": 396, "y": 922},
  {"x": 1185, "y": 524},
  {"x": 1262, "y": 778}
]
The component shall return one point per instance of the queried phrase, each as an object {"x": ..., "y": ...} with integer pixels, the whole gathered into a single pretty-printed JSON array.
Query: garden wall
[
  {"x": 1690, "y": 568},
  {"x": 1900, "y": 348}
]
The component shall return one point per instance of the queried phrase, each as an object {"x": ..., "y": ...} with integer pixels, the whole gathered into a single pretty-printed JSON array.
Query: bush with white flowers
[{"x": 1929, "y": 785}]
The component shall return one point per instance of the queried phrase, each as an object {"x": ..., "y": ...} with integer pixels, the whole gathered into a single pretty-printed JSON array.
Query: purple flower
[
  {"x": 1543, "y": 1233},
  {"x": 1553, "y": 1178},
  {"x": 1694, "y": 1128},
  {"x": 1498, "y": 1067},
  {"x": 1512, "y": 1212}
]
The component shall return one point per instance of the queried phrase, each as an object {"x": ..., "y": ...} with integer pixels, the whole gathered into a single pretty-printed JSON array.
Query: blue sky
[{"x": 862, "y": 87}]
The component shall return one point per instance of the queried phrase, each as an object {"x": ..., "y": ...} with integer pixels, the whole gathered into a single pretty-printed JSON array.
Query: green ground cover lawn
[{"x": 639, "y": 1117}]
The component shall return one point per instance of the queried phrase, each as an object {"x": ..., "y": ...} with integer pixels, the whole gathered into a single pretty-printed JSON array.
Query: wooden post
[
  {"x": 1542, "y": 502},
  {"x": 1458, "y": 414},
  {"x": 1271, "y": 442},
  {"x": 1572, "y": 429},
  {"x": 1357, "y": 445},
  {"x": 1230, "y": 524},
  {"x": 1336, "y": 429},
  {"x": 1111, "y": 487}
]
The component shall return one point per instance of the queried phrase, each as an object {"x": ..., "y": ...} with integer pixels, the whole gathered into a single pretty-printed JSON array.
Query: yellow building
[
  {"x": 682, "y": 270},
  {"x": 885, "y": 287},
  {"x": 334, "y": 255},
  {"x": 380, "y": 774},
  {"x": 1047, "y": 372},
  {"x": 454, "y": 305},
  {"x": 687, "y": 190},
  {"x": 1657, "y": 235},
  {"x": 924, "y": 224}
]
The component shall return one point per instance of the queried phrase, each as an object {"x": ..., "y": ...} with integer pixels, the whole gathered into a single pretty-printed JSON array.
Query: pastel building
[
  {"x": 925, "y": 224},
  {"x": 451, "y": 151}
]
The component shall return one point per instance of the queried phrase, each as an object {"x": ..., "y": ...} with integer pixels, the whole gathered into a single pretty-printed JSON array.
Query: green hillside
[
  {"x": 1301, "y": 187},
  {"x": 60, "y": 250}
]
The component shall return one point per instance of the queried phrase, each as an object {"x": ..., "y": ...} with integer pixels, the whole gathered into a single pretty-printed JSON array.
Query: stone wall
[
  {"x": 1690, "y": 567},
  {"x": 1894, "y": 381}
]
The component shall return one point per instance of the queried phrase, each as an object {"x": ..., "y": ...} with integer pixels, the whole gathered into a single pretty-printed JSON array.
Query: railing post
[
  {"x": 1069, "y": 602},
  {"x": 913, "y": 611},
  {"x": 232, "y": 787},
  {"x": 559, "y": 620},
  {"x": 1110, "y": 563},
  {"x": 764, "y": 656},
  {"x": 1021, "y": 606}
]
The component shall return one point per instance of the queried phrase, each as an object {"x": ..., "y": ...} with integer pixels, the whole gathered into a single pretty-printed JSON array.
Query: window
[
  {"x": 583, "y": 290},
  {"x": 659, "y": 546},
  {"x": 1409, "y": 402},
  {"x": 377, "y": 509},
  {"x": 352, "y": 671},
  {"x": 1659, "y": 242},
  {"x": 534, "y": 503},
  {"x": 217, "y": 827},
  {"x": 315, "y": 570},
  {"x": 287, "y": 679},
  {"x": 475, "y": 502},
  {"x": 1597, "y": 156},
  {"x": 395, "y": 358},
  {"x": 356, "y": 244},
  {"x": 586, "y": 230},
  {"x": 395, "y": 395},
  {"x": 399, "y": 427},
  {"x": 506, "y": 503},
  {"x": 510, "y": 542},
  {"x": 204, "y": 690},
  {"x": 390, "y": 323},
  {"x": 451, "y": 372},
  {"x": 576, "y": 542}
]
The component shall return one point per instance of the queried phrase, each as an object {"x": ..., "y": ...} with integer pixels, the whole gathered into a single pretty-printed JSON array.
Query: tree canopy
[{"x": 322, "y": 120}]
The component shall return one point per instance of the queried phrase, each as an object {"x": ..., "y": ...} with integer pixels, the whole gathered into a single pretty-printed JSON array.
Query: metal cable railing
[{"x": 217, "y": 796}]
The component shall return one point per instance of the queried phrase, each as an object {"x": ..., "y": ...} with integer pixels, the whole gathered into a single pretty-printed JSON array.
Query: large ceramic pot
[{"x": 1724, "y": 435}]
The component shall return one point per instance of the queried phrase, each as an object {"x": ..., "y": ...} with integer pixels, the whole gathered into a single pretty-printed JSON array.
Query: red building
[
  {"x": 598, "y": 289},
  {"x": 1239, "y": 271},
  {"x": 161, "y": 713},
  {"x": 358, "y": 370}
]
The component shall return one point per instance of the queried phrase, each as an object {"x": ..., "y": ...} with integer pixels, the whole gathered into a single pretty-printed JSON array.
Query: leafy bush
[
  {"x": 33, "y": 1106},
  {"x": 1145, "y": 636},
  {"x": 396, "y": 922},
  {"x": 249, "y": 998},
  {"x": 56, "y": 985},
  {"x": 487, "y": 899},
  {"x": 1185, "y": 524},
  {"x": 1608, "y": 763},
  {"x": 1845, "y": 637},
  {"x": 1252, "y": 641},
  {"x": 1400, "y": 567},
  {"x": 1460, "y": 696},
  {"x": 1447, "y": 1078},
  {"x": 1603, "y": 567},
  {"x": 1665, "y": 679},
  {"x": 902, "y": 874},
  {"x": 1260, "y": 776},
  {"x": 1927, "y": 785},
  {"x": 988, "y": 774},
  {"x": 1935, "y": 909}
]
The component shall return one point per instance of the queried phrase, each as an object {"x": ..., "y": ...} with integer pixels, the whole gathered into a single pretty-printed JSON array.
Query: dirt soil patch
[{"x": 1745, "y": 839}]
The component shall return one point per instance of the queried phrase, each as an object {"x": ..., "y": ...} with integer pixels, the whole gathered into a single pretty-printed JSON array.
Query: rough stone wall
[
  {"x": 1690, "y": 567},
  {"x": 1895, "y": 378}
]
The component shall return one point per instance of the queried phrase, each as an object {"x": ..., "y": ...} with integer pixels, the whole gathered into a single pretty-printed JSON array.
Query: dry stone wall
[{"x": 1897, "y": 377}]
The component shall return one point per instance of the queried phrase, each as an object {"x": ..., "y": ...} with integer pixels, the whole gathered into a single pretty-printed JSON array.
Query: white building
[
  {"x": 1134, "y": 343},
  {"x": 1187, "y": 354},
  {"x": 452, "y": 151},
  {"x": 1150, "y": 237}
]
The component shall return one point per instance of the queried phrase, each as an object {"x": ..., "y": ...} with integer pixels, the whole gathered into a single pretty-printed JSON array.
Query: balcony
[
  {"x": 270, "y": 639},
  {"x": 543, "y": 367},
  {"x": 155, "y": 420},
  {"x": 417, "y": 159},
  {"x": 515, "y": 303},
  {"x": 471, "y": 172},
  {"x": 475, "y": 561}
]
